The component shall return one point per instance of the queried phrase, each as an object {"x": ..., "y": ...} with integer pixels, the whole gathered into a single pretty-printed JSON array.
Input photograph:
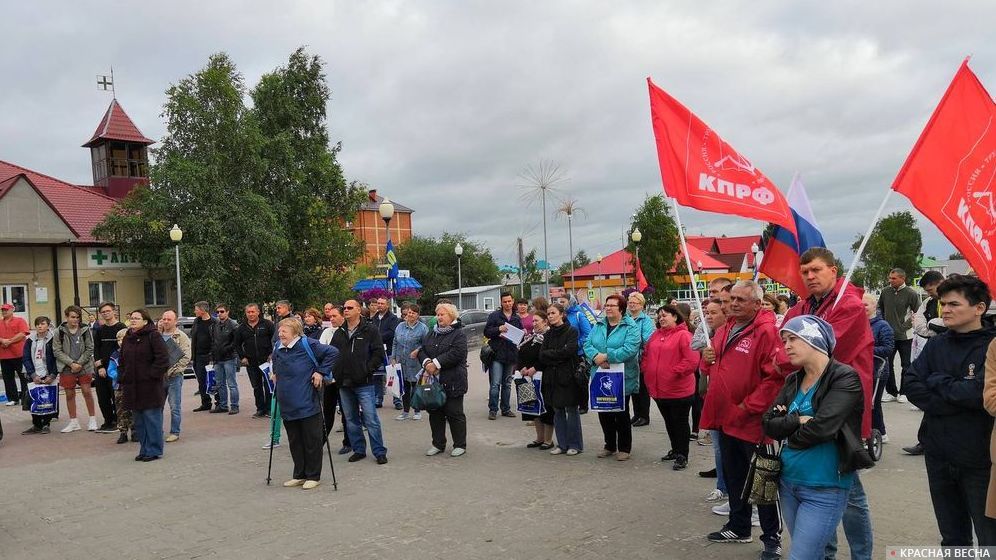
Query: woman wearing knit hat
[{"x": 818, "y": 404}]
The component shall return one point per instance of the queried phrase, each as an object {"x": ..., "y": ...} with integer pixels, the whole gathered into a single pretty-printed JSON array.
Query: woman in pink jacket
[{"x": 668, "y": 368}]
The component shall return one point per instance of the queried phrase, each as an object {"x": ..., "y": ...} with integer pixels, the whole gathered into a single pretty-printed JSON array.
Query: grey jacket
[{"x": 60, "y": 347}]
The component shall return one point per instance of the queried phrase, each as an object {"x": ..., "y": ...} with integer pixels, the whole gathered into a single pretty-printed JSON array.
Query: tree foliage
[
  {"x": 659, "y": 244},
  {"x": 257, "y": 191},
  {"x": 563, "y": 272},
  {"x": 895, "y": 242},
  {"x": 433, "y": 263}
]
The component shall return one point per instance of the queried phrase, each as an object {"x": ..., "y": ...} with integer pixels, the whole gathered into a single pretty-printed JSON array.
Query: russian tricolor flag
[{"x": 781, "y": 252}]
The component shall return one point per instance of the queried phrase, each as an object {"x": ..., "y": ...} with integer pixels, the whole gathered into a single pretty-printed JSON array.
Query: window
[
  {"x": 101, "y": 292},
  {"x": 489, "y": 303},
  {"x": 155, "y": 292}
]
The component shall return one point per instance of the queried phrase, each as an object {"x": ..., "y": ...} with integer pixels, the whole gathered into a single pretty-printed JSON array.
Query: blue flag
[{"x": 392, "y": 260}]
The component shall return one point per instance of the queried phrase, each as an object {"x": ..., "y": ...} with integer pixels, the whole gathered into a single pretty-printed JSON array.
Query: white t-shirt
[{"x": 38, "y": 357}]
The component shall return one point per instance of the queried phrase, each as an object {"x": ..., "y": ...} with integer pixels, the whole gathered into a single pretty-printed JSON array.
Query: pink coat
[{"x": 669, "y": 363}]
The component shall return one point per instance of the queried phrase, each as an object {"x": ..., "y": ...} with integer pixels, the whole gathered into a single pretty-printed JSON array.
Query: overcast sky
[{"x": 441, "y": 105}]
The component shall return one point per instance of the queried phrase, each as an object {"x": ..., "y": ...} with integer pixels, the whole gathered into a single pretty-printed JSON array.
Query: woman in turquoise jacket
[
  {"x": 641, "y": 399},
  {"x": 616, "y": 339}
]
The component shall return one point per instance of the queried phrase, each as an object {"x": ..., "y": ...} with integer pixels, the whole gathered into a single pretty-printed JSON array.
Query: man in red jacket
[
  {"x": 855, "y": 347},
  {"x": 744, "y": 379}
]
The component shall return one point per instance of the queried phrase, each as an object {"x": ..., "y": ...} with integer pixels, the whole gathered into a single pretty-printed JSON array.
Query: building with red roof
[{"x": 51, "y": 258}]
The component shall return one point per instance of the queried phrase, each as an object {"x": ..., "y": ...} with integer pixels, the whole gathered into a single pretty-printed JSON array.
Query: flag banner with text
[{"x": 950, "y": 174}]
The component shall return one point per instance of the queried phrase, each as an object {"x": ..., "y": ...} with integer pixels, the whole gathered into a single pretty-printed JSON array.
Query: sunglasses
[{"x": 349, "y": 307}]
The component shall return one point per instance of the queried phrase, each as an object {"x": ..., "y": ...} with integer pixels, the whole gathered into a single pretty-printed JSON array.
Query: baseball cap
[{"x": 7, "y": 306}]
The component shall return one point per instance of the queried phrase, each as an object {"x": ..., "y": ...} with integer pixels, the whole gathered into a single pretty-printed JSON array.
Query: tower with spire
[{"x": 119, "y": 153}]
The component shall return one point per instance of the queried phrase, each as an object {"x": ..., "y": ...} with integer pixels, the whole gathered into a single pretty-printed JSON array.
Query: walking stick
[
  {"x": 328, "y": 446},
  {"x": 273, "y": 423}
]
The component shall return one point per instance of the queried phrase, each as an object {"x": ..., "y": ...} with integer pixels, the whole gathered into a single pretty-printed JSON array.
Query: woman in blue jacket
[{"x": 616, "y": 339}]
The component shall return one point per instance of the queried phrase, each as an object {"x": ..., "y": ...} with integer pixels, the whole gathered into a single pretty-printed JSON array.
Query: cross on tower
[{"x": 106, "y": 82}]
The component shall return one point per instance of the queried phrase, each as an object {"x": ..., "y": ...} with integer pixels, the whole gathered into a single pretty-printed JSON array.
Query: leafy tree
[
  {"x": 956, "y": 256},
  {"x": 530, "y": 274},
  {"x": 433, "y": 263},
  {"x": 563, "y": 272},
  {"x": 660, "y": 243},
  {"x": 895, "y": 242}
]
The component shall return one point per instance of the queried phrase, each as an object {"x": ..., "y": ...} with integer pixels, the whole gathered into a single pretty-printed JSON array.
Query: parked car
[
  {"x": 186, "y": 324},
  {"x": 473, "y": 323}
]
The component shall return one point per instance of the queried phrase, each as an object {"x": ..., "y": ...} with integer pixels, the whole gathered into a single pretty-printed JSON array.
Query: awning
[{"x": 382, "y": 282}]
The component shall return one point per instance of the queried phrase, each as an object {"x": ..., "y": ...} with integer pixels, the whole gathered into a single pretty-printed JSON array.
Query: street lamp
[
  {"x": 386, "y": 210},
  {"x": 598, "y": 258},
  {"x": 176, "y": 235},
  {"x": 459, "y": 253},
  {"x": 636, "y": 236},
  {"x": 754, "y": 249}
]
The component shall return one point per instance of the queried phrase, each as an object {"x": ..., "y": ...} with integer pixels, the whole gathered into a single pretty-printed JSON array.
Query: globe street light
[
  {"x": 636, "y": 236},
  {"x": 176, "y": 235},
  {"x": 459, "y": 253},
  {"x": 386, "y": 210}
]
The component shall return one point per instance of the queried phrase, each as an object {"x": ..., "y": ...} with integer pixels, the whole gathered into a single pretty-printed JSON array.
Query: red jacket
[
  {"x": 669, "y": 363},
  {"x": 745, "y": 379},
  {"x": 855, "y": 343}
]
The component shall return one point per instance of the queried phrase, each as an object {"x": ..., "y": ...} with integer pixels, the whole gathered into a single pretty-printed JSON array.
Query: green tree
[
  {"x": 563, "y": 272},
  {"x": 659, "y": 244},
  {"x": 203, "y": 179},
  {"x": 895, "y": 242},
  {"x": 433, "y": 263}
]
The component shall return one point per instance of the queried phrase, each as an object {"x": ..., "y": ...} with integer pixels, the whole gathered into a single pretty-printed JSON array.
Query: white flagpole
[
  {"x": 861, "y": 248},
  {"x": 688, "y": 263}
]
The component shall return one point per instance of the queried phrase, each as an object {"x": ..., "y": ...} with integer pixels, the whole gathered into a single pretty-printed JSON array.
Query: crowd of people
[{"x": 757, "y": 377}]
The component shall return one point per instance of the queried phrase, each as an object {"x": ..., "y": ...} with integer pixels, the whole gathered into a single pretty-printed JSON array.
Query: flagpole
[
  {"x": 861, "y": 247},
  {"x": 688, "y": 263}
]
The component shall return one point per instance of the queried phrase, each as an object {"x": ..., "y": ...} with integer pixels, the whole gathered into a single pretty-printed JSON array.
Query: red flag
[
  {"x": 950, "y": 175},
  {"x": 641, "y": 280},
  {"x": 701, "y": 170}
]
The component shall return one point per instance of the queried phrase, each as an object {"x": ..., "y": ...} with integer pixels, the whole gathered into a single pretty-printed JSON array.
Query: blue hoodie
[{"x": 580, "y": 323}]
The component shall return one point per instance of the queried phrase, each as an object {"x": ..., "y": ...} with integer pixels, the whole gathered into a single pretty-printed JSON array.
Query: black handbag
[
  {"x": 762, "y": 477},
  {"x": 487, "y": 354},
  {"x": 582, "y": 372},
  {"x": 856, "y": 451}
]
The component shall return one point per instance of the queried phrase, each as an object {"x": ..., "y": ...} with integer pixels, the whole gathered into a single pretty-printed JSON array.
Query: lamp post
[
  {"x": 699, "y": 265},
  {"x": 176, "y": 235},
  {"x": 636, "y": 236},
  {"x": 598, "y": 258},
  {"x": 754, "y": 249},
  {"x": 459, "y": 254},
  {"x": 386, "y": 210}
]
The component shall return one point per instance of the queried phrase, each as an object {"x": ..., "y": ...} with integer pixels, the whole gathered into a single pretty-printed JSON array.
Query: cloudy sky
[{"x": 442, "y": 105}]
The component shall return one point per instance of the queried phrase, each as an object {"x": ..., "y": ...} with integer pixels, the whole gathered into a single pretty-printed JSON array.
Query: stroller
[{"x": 875, "y": 441}]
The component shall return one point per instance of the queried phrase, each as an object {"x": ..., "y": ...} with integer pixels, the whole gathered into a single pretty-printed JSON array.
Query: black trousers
[
  {"x": 104, "y": 388},
  {"x": 200, "y": 362},
  {"x": 617, "y": 429},
  {"x": 959, "y": 498},
  {"x": 260, "y": 389},
  {"x": 736, "y": 455},
  {"x": 406, "y": 399},
  {"x": 304, "y": 437},
  {"x": 675, "y": 413},
  {"x": 330, "y": 398},
  {"x": 903, "y": 348},
  {"x": 452, "y": 413},
  {"x": 11, "y": 368},
  {"x": 641, "y": 401}
]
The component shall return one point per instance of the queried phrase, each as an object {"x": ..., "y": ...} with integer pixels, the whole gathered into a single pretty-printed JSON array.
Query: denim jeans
[
  {"x": 718, "y": 457},
  {"x": 567, "y": 426},
  {"x": 224, "y": 375},
  {"x": 380, "y": 379},
  {"x": 174, "y": 390},
  {"x": 355, "y": 400},
  {"x": 149, "y": 429},
  {"x": 857, "y": 525},
  {"x": 501, "y": 386},
  {"x": 811, "y": 515}
]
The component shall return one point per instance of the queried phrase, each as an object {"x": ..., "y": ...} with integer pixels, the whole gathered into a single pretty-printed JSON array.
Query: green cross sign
[{"x": 100, "y": 257}]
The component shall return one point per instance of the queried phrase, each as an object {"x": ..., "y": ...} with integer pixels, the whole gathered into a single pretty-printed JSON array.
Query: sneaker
[
  {"x": 458, "y": 451},
  {"x": 357, "y": 457},
  {"x": 72, "y": 426},
  {"x": 218, "y": 410},
  {"x": 622, "y": 456},
  {"x": 508, "y": 414},
  {"x": 402, "y": 416},
  {"x": 269, "y": 444},
  {"x": 31, "y": 431},
  {"x": 902, "y": 399},
  {"x": 492, "y": 416},
  {"x": 604, "y": 453},
  {"x": 722, "y": 509},
  {"x": 172, "y": 437},
  {"x": 755, "y": 519},
  {"x": 382, "y": 459},
  {"x": 233, "y": 410},
  {"x": 556, "y": 451},
  {"x": 294, "y": 482},
  {"x": 344, "y": 450},
  {"x": 91, "y": 426},
  {"x": 417, "y": 416},
  {"x": 107, "y": 427},
  {"x": 433, "y": 451},
  {"x": 771, "y": 552},
  {"x": 885, "y": 438},
  {"x": 705, "y": 440},
  {"x": 398, "y": 406},
  {"x": 202, "y": 408},
  {"x": 11, "y": 403},
  {"x": 728, "y": 536},
  {"x": 671, "y": 456},
  {"x": 45, "y": 429},
  {"x": 888, "y": 398},
  {"x": 680, "y": 462},
  {"x": 715, "y": 496},
  {"x": 572, "y": 452}
]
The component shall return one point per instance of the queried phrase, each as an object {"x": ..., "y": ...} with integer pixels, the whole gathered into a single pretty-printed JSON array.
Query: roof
[
  {"x": 79, "y": 207},
  {"x": 703, "y": 242},
  {"x": 620, "y": 262},
  {"x": 700, "y": 261},
  {"x": 737, "y": 245},
  {"x": 117, "y": 125},
  {"x": 471, "y": 290},
  {"x": 375, "y": 206},
  {"x": 733, "y": 262}
]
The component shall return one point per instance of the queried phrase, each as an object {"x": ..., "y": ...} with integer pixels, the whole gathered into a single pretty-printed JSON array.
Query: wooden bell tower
[{"x": 119, "y": 153}]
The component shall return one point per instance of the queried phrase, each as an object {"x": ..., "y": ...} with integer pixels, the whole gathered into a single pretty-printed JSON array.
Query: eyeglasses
[
  {"x": 222, "y": 311},
  {"x": 349, "y": 307},
  {"x": 611, "y": 305}
]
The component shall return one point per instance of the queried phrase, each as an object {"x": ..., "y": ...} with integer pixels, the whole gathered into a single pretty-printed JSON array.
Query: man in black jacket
[
  {"x": 105, "y": 342},
  {"x": 226, "y": 362},
  {"x": 505, "y": 353},
  {"x": 946, "y": 382},
  {"x": 361, "y": 353},
  {"x": 252, "y": 343},
  {"x": 386, "y": 322},
  {"x": 201, "y": 347}
]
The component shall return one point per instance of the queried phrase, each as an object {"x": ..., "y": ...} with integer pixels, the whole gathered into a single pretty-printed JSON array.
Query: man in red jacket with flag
[
  {"x": 855, "y": 347},
  {"x": 744, "y": 379}
]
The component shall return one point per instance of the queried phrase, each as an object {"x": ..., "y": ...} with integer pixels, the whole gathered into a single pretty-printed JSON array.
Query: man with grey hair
[
  {"x": 898, "y": 303},
  {"x": 201, "y": 343}
]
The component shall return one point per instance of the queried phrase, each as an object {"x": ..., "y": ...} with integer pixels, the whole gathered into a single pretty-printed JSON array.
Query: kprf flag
[
  {"x": 392, "y": 260},
  {"x": 949, "y": 175},
  {"x": 701, "y": 170},
  {"x": 783, "y": 248}
]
